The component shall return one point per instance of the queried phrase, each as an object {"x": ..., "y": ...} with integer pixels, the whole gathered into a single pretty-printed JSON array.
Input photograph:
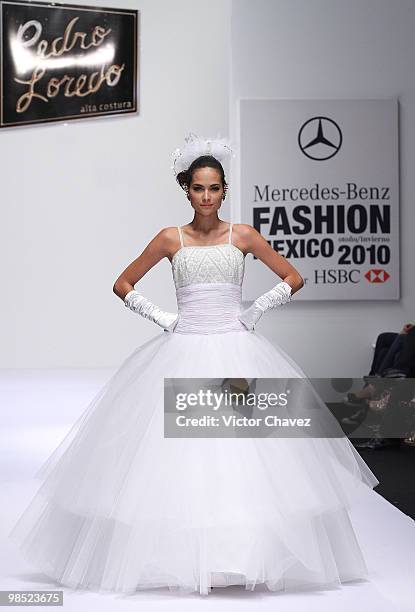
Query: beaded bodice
[
  {"x": 208, "y": 282},
  {"x": 218, "y": 263}
]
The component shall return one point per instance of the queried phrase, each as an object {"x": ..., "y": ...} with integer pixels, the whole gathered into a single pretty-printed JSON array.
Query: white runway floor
[{"x": 38, "y": 407}]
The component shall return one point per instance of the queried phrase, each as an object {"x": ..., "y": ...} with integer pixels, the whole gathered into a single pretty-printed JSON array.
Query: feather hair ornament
[{"x": 196, "y": 146}]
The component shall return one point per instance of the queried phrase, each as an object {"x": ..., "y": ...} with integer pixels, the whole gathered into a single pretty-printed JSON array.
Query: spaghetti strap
[
  {"x": 230, "y": 234},
  {"x": 180, "y": 235}
]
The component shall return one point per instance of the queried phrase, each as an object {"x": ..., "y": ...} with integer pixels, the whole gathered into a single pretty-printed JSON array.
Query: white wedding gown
[{"x": 121, "y": 508}]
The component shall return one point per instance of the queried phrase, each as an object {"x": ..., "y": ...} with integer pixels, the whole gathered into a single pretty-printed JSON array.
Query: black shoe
[
  {"x": 380, "y": 443},
  {"x": 356, "y": 418},
  {"x": 352, "y": 397},
  {"x": 366, "y": 444},
  {"x": 352, "y": 400}
]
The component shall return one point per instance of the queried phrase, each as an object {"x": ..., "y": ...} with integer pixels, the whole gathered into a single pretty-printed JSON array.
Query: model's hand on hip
[
  {"x": 142, "y": 306},
  {"x": 279, "y": 295}
]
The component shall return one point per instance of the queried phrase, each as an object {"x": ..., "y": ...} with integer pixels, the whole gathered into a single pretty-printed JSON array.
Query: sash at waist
[{"x": 209, "y": 308}]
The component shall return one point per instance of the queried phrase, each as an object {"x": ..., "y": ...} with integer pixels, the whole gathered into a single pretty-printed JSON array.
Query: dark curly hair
[{"x": 184, "y": 178}]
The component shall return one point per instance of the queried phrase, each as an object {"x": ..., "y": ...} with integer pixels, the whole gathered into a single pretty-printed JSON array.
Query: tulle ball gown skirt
[{"x": 121, "y": 508}]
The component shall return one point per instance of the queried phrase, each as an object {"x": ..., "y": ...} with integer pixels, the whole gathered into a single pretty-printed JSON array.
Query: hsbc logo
[
  {"x": 377, "y": 276},
  {"x": 333, "y": 276}
]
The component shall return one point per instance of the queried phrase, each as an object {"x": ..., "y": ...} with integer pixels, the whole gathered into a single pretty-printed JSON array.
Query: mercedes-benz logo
[{"x": 320, "y": 138}]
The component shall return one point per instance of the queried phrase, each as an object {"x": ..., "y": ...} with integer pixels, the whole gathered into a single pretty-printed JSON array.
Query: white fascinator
[{"x": 196, "y": 146}]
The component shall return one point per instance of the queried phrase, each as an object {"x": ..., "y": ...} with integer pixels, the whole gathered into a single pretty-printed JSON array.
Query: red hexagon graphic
[{"x": 377, "y": 275}]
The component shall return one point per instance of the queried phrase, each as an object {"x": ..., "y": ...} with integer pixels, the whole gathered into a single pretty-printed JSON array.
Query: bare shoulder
[
  {"x": 244, "y": 236},
  {"x": 168, "y": 240},
  {"x": 169, "y": 233},
  {"x": 243, "y": 230}
]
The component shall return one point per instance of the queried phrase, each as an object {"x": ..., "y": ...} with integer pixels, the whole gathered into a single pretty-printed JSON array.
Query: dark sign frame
[{"x": 62, "y": 62}]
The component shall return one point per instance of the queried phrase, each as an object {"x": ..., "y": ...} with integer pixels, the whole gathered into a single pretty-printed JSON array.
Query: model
[{"x": 122, "y": 507}]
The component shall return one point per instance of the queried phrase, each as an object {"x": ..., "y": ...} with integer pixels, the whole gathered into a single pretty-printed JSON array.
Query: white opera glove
[
  {"x": 142, "y": 306},
  {"x": 277, "y": 296}
]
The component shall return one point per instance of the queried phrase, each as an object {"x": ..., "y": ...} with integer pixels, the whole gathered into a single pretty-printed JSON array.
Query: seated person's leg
[
  {"x": 383, "y": 343},
  {"x": 406, "y": 358},
  {"x": 392, "y": 354}
]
